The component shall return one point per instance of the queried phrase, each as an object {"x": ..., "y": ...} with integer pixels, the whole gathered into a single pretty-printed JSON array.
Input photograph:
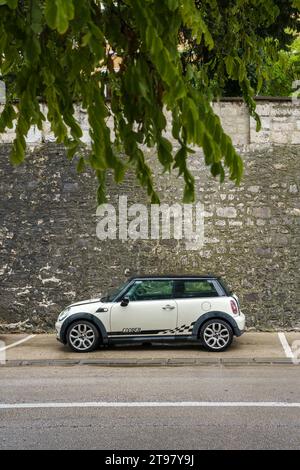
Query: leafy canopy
[
  {"x": 60, "y": 51},
  {"x": 284, "y": 72},
  {"x": 247, "y": 38}
]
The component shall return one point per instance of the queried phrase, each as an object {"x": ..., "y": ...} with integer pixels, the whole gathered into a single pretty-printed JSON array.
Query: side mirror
[{"x": 124, "y": 301}]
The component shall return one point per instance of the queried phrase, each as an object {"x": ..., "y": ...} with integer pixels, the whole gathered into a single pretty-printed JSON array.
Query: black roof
[{"x": 175, "y": 276}]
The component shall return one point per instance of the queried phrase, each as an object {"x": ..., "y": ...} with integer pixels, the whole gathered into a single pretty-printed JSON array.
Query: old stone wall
[
  {"x": 50, "y": 254},
  {"x": 280, "y": 119}
]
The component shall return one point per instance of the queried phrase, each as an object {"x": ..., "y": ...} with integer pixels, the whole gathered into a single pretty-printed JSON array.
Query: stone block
[
  {"x": 227, "y": 212},
  {"x": 261, "y": 212}
]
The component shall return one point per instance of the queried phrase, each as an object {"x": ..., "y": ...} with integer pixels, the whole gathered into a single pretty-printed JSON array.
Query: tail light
[{"x": 234, "y": 307}]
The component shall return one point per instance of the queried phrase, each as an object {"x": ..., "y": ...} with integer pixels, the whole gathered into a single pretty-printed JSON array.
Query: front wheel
[
  {"x": 83, "y": 336},
  {"x": 216, "y": 335}
]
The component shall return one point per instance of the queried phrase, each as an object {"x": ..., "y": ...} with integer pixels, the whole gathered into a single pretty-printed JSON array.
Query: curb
[{"x": 147, "y": 362}]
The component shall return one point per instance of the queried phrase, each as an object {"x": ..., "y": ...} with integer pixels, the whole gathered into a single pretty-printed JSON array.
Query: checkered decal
[{"x": 180, "y": 330}]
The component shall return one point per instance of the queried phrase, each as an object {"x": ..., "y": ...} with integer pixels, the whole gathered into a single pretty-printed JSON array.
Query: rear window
[
  {"x": 225, "y": 287},
  {"x": 191, "y": 288}
]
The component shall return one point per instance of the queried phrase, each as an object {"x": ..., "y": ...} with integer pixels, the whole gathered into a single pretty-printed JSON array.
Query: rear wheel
[
  {"x": 83, "y": 336},
  {"x": 216, "y": 335}
]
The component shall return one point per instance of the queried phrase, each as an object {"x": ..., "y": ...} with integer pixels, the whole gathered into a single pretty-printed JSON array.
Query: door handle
[{"x": 168, "y": 307}]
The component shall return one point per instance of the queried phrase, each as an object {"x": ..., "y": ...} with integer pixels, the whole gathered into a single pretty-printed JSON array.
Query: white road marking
[
  {"x": 152, "y": 404},
  {"x": 17, "y": 343},
  {"x": 286, "y": 347}
]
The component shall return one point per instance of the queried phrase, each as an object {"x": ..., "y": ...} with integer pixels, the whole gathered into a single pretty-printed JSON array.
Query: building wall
[{"x": 50, "y": 254}]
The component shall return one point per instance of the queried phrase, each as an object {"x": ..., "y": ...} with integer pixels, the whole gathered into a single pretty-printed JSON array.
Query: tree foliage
[
  {"x": 60, "y": 51},
  {"x": 284, "y": 72},
  {"x": 248, "y": 36}
]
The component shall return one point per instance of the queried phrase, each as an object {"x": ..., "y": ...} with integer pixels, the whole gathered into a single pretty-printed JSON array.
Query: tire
[
  {"x": 83, "y": 336},
  {"x": 216, "y": 335}
]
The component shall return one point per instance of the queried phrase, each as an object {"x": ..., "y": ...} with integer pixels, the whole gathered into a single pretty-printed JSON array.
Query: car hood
[{"x": 84, "y": 302}]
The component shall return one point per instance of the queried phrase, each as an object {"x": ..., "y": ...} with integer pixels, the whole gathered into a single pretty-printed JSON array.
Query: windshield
[{"x": 112, "y": 294}]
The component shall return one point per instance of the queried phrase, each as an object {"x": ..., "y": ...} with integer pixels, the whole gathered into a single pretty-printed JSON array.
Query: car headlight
[{"x": 64, "y": 314}]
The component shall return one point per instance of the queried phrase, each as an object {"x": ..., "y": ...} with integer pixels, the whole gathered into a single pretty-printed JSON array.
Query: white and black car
[{"x": 155, "y": 308}]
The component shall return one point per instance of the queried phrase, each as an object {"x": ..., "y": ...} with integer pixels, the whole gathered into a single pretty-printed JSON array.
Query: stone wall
[
  {"x": 50, "y": 255},
  {"x": 280, "y": 119}
]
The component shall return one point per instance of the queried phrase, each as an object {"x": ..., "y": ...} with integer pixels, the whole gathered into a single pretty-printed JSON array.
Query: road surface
[{"x": 194, "y": 411}]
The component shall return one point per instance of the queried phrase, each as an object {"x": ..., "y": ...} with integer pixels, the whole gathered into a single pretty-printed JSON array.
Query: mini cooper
[{"x": 148, "y": 309}]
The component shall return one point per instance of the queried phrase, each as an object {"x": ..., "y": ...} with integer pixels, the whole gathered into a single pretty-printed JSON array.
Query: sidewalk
[{"x": 252, "y": 347}]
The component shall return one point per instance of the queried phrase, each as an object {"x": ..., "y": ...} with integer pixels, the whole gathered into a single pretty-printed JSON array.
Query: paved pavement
[
  {"x": 251, "y": 347},
  {"x": 193, "y": 411}
]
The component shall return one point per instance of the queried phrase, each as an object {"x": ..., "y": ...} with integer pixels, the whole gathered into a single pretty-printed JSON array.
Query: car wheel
[
  {"x": 216, "y": 335},
  {"x": 83, "y": 336}
]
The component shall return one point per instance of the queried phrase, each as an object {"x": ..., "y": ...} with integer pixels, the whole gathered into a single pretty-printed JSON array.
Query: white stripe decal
[
  {"x": 17, "y": 343},
  {"x": 286, "y": 347},
  {"x": 152, "y": 404}
]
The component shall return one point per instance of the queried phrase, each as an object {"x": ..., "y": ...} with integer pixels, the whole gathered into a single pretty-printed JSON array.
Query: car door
[
  {"x": 151, "y": 309},
  {"x": 194, "y": 297}
]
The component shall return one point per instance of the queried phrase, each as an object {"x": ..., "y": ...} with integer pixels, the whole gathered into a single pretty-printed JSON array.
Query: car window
[
  {"x": 225, "y": 287},
  {"x": 110, "y": 296},
  {"x": 150, "y": 290},
  {"x": 195, "y": 288}
]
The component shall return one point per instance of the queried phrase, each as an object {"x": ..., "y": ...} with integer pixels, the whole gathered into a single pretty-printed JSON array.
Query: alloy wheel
[
  {"x": 82, "y": 336},
  {"x": 216, "y": 335}
]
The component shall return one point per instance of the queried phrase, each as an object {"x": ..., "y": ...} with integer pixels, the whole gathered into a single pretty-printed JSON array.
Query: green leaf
[
  {"x": 176, "y": 126},
  {"x": 17, "y": 154},
  {"x": 229, "y": 61},
  {"x": 81, "y": 165},
  {"x": 242, "y": 71},
  {"x": 32, "y": 50},
  {"x": 51, "y": 13},
  {"x": 86, "y": 39},
  {"x": 58, "y": 13},
  {"x": 119, "y": 170},
  {"x": 101, "y": 193},
  {"x": 164, "y": 152},
  {"x": 189, "y": 188},
  {"x": 96, "y": 41},
  {"x": 36, "y": 16},
  {"x": 208, "y": 148},
  {"x": 7, "y": 117},
  {"x": 217, "y": 169},
  {"x": 173, "y": 4}
]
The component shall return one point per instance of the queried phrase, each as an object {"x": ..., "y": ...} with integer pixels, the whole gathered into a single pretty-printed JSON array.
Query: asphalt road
[{"x": 150, "y": 427}]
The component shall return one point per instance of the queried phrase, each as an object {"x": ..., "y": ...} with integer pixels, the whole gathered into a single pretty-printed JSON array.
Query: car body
[{"x": 155, "y": 309}]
